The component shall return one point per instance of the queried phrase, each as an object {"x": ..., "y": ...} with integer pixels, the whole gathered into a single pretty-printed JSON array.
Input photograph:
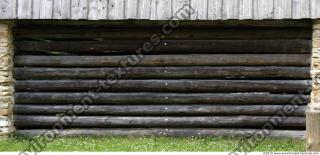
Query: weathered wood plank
[
  {"x": 79, "y": 9},
  {"x": 62, "y": 9},
  {"x": 42, "y": 9},
  {"x": 163, "y": 10},
  {"x": 282, "y": 9},
  {"x": 179, "y": 34},
  {"x": 144, "y": 10},
  {"x": 160, "y": 110},
  {"x": 155, "y": 98},
  {"x": 300, "y": 9},
  {"x": 190, "y": 132},
  {"x": 315, "y": 11},
  {"x": 8, "y": 9},
  {"x": 233, "y": 72},
  {"x": 97, "y": 9},
  {"x": 169, "y": 60},
  {"x": 219, "y": 86},
  {"x": 116, "y": 9},
  {"x": 201, "y": 10},
  {"x": 109, "y": 121},
  {"x": 177, "y": 5},
  {"x": 171, "y": 46},
  {"x": 24, "y": 10},
  {"x": 263, "y": 9},
  {"x": 131, "y": 9},
  {"x": 245, "y": 9},
  {"x": 214, "y": 9},
  {"x": 230, "y": 9}
]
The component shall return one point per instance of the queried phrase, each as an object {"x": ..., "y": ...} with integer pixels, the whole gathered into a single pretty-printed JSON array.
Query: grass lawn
[{"x": 153, "y": 144}]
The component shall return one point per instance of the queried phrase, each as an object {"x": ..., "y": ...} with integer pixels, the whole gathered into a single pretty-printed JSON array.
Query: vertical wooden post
[
  {"x": 313, "y": 111},
  {"x": 6, "y": 80}
]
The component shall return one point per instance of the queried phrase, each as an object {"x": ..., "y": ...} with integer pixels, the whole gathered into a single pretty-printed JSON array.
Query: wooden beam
[
  {"x": 167, "y": 60},
  {"x": 156, "y": 121},
  {"x": 171, "y": 46},
  {"x": 155, "y": 98},
  {"x": 186, "y": 86},
  {"x": 300, "y": 134},
  {"x": 179, "y": 34},
  {"x": 192, "y": 72},
  {"x": 160, "y": 110}
]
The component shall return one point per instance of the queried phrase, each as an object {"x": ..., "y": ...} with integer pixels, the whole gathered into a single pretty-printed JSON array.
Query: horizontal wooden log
[
  {"x": 25, "y": 73},
  {"x": 159, "y": 24},
  {"x": 154, "y": 98},
  {"x": 139, "y": 34},
  {"x": 191, "y": 46},
  {"x": 113, "y": 121},
  {"x": 272, "y": 86},
  {"x": 300, "y": 134},
  {"x": 160, "y": 110},
  {"x": 168, "y": 60}
]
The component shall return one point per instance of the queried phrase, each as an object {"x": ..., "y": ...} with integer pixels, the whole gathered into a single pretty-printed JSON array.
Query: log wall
[{"x": 196, "y": 81}]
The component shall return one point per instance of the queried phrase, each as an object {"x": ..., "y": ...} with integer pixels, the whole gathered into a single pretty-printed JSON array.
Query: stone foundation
[{"x": 6, "y": 80}]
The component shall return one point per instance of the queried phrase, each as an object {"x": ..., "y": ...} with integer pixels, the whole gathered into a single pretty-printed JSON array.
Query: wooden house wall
[{"x": 209, "y": 80}]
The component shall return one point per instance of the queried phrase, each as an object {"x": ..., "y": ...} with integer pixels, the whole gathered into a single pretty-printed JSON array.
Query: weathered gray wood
[
  {"x": 165, "y": 73},
  {"x": 245, "y": 9},
  {"x": 168, "y": 60},
  {"x": 79, "y": 9},
  {"x": 214, "y": 9},
  {"x": 97, "y": 9},
  {"x": 160, "y": 110},
  {"x": 219, "y": 86},
  {"x": 109, "y": 121},
  {"x": 131, "y": 9},
  {"x": 42, "y": 9},
  {"x": 162, "y": 11},
  {"x": 62, "y": 9},
  {"x": 315, "y": 11},
  {"x": 177, "y": 5},
  {"x": 300, "y": 9},
  {"x": 116, "y": 9},
  {"x": 230, "y": 9},
  {"x": 312, "y": 129},
  {"x": 172, "y": 46},
  {"x": 144, "y": 10},
  {"x": 201, "y": 9},
  {"x": 36, "y": 9},
  {"x": 8, "y": 9},
  {"x": 46, "y": 9},
  {"x": 263, "y": 9},
  {"x": 24, "y": 10},
  {"x": 155, "y": 98},
  {"x": 189, "y": 132},
  {"x": 282, "y": 9}
]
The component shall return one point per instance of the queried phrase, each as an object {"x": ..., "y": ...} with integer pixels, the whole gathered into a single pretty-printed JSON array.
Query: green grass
[{"x": 152, "y": 144}]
